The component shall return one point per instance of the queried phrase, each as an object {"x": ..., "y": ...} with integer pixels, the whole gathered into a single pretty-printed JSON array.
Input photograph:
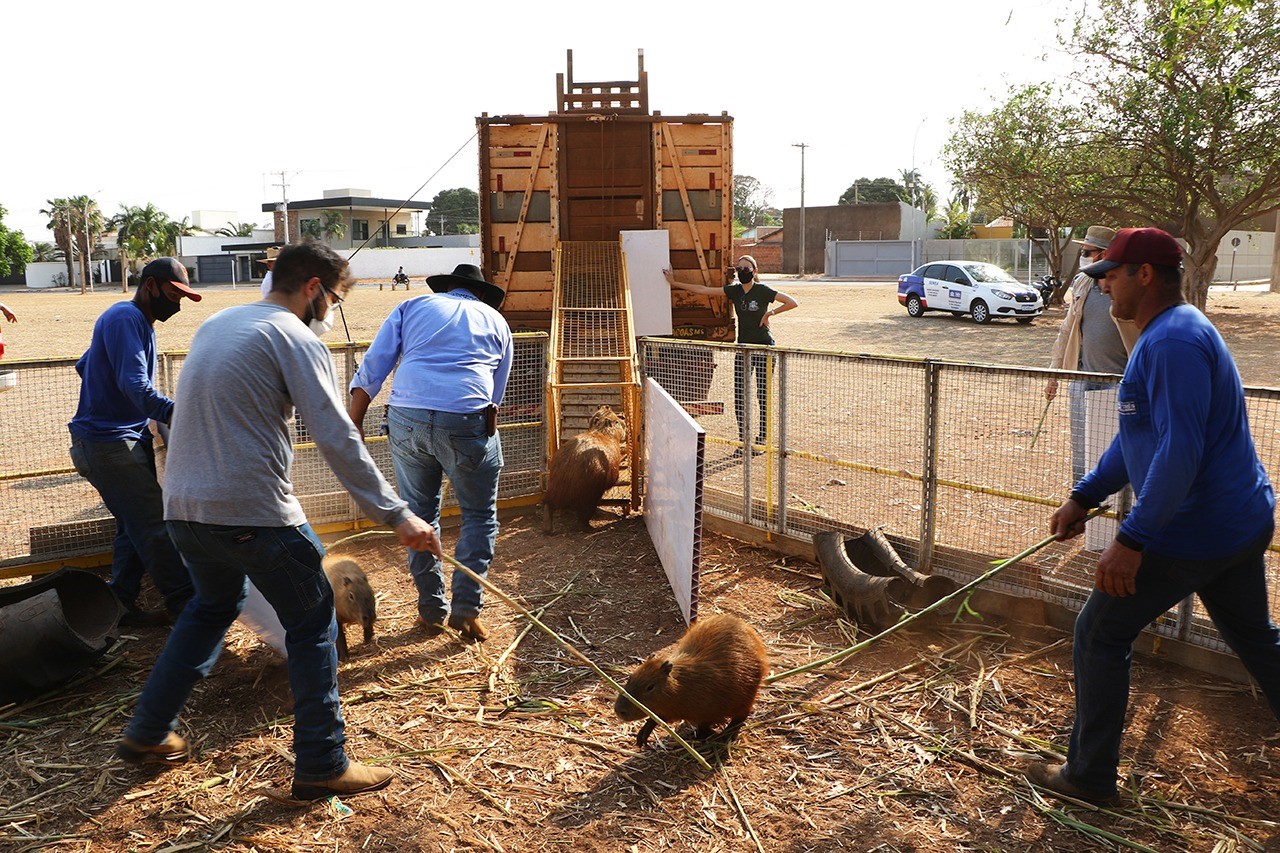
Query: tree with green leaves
[
  {"x": 15, "y": 251},
  {"x": 88, "y": 226},
  {"x": 873, "y": 191},
  {"x": 236, "y": 229},
  {"x": 139, "y": 233},
  {"x": 1031, "y": 158},
  {"x": 332, "y": 225},
  {"x": 311, "y": 229},
  {"x": 458, "y": 209},
  {"x": 45, "y": 253},
  {"x": 1187, "y": 96},
  {"x": 169, "y": 234},
  {"x": 752, "y": 203},
  {"x": 61, "y": 216},
  {"x": 957, "y": 220}
]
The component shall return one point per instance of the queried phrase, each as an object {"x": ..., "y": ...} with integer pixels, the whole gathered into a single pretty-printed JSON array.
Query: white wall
[
  {"x": 1252, "y": 257},
  {"x": 383, "y": 263},
  {"x": 200, "y": 244},
  {"x": 42, "y": 275}
]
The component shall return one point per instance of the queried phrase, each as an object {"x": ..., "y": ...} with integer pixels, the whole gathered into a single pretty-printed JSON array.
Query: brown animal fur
[
  {"x": 353, "y": 598},
  {"x": 584, "y": 468},
  {"x": 714, "y": 672}
]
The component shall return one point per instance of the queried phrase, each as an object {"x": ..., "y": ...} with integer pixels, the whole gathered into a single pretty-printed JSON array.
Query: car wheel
[
  {"x": 914, "y": 306},
  {"x": 1025, "y": 320},
  {"x": 981, "y": 313}
]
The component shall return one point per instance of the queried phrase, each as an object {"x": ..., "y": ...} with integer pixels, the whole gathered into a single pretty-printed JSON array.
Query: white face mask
[{"x": 322, "y": 327}]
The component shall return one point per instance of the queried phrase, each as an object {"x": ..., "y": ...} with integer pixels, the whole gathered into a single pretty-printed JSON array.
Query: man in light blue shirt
[{"x": 453, "y": 350}]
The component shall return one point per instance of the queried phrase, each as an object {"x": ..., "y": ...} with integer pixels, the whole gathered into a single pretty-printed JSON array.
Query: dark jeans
[
  {"x": 747, "y": 362},
  {"x": 284, "y": 563},
  {"x": 1233, "y": 590},
  {"x": 425, "y": 445},
  {"x": 124, "y": 473}
]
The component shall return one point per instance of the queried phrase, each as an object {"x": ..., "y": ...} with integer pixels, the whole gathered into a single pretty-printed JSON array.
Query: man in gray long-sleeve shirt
[{"x": 232, "y": 513}]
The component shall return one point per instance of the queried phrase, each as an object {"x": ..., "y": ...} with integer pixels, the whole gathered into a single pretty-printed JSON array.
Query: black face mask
[
  {"x": 162, "y": 307},
  {"x": 745, "y": 275}
]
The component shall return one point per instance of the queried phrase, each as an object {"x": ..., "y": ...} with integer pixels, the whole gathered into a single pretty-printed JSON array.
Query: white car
[{"x": 982, "y": 290}]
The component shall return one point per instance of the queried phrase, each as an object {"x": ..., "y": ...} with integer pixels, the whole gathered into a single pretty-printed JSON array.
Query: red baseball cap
[{"x": 1137, "y": 246}]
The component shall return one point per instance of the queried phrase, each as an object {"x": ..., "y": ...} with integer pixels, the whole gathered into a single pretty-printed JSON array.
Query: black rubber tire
[
  {"x": 915, "y": 308},
  {"x": 981, "y": 313}
]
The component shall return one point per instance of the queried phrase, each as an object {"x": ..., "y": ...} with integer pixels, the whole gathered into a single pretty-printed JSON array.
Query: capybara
[
  {"x": 713, "y": 673},
  {"x": 352, "y": 598},
  {"x": 584, "y": 468}
]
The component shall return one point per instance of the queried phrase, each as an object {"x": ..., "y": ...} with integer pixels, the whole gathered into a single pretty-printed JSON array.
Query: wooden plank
[
  {"x": 516, "y": 180},
  {"x": 514, "y": 136},
  {"x": 696, "y": 135},
  {"x": 684, "y": 195},
  {"x": 528, "y": 195}
]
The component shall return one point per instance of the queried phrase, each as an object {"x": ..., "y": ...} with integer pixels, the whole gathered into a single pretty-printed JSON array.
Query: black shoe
[{"x": 1052, "y": 777}]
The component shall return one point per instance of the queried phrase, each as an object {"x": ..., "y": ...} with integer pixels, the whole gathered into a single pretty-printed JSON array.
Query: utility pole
[
  {"x": 802, "y": 146},
  {"x": 284, "y": 196}
]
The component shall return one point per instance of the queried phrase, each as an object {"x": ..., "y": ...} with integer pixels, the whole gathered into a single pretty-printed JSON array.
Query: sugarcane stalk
[
  {"x": 1040, "y": 425},
  {"x": 937, "y": 605},
  {"x": 568, "y": 647}
]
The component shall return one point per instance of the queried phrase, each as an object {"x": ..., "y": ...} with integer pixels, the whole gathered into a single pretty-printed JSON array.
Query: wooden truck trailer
[{"x": 601, "y": 164}]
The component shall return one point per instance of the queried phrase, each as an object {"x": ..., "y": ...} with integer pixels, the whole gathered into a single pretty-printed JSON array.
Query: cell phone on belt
[{"x": 490, "y": 419}]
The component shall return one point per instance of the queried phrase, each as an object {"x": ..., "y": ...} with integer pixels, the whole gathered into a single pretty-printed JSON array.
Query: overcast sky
[{"x": 192, "y": 106}]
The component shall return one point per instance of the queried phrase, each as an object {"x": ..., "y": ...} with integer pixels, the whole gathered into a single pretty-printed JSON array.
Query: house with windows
[{"x": 391, "y": 222}]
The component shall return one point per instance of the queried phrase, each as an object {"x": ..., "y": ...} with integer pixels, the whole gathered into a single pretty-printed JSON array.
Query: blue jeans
[
  {"x": 284, "y": 563},
  {"x": 1234, "y": 592},
  {"x": 425, "y": 445},
  {"x": 124, "y": 473}
]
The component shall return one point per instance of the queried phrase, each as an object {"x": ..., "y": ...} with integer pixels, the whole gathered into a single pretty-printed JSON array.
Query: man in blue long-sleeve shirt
[
  {"x": 454, "y": 352},
  {"x": 1203, "y": 517},
  {"x": 111, "y": 441}
]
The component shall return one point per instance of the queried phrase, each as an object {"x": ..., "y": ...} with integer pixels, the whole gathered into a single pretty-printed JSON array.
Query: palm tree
[
  {"x": 60, "y": 218},
  {"x": 236, "y": 229},
  {"x": 45, "y": 253},
  {"x": 139, "y": 230},
  {"x": 169, "y": 234},
  {"x": 88, "y": 226}
]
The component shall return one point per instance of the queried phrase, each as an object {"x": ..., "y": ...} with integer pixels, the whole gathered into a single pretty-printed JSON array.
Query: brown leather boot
[
  {"x": 172, "y": 750},
  {"x": 1052, "y": 777},
  {"x": 358, "y": 779},
  {"x": 471, "y": 629},
  {"x": 431, "y": 629}
]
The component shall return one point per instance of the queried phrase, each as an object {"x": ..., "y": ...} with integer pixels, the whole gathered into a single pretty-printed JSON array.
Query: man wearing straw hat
[
  {"x": 1202, "y": 521},
  {"x": 269, "y": 262},
  {"x": 1090, "y": 339},
  {"x": 454, "y": 351}
]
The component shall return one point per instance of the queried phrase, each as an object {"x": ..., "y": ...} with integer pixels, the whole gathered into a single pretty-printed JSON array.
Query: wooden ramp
[{"x": 593, "y": 351}]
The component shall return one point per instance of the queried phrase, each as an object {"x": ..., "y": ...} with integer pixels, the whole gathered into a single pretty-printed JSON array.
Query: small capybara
[
  {"x": 584, "y": 468},
  {"x": 712, "y": 674},
  {"x": 352, "y": 598}
]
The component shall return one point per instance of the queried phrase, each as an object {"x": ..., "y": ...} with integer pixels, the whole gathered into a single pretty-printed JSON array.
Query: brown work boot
[
  {"x": 470, "y": 629},
  {"x": 432, "y": 629},
  {"x": 1052, "y": 777},
  {"x": 172, "y": 750},
  {"x": 358, "y": 779}
]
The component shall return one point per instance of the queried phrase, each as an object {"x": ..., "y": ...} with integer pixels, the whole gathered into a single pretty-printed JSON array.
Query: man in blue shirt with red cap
[
  {"x": 111, "y": 438},
  {"x": 1203, "y": 517}
]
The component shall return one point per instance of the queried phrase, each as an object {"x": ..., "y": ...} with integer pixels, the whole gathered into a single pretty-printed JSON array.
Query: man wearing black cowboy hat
[{"x": 451, "y": 352}]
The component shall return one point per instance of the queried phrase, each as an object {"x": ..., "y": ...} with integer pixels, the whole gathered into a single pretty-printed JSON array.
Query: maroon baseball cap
[
  {"x": 1137, "y": 246},
  {"x": 168, "y": 269}
]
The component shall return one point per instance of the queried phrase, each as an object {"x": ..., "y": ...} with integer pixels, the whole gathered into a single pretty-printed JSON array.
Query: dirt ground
[{"x": 914, "y": 744}]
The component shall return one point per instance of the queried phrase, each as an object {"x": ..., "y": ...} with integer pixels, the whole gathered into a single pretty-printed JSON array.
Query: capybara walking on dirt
[
  {"x": 712, "y": 674},
  {"x": 352, "y": 599},
  {"x": 584, "y": 468}
]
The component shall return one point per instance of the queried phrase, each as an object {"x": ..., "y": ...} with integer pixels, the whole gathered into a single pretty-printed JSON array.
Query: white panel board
[
  {"x": 647, "y": 254},
  {"x": 674, "y": 449},
  {"x": 1101, "y": 424}
]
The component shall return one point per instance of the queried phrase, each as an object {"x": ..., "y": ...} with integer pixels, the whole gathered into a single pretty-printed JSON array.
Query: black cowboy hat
[{"x": 468, "y": 275}]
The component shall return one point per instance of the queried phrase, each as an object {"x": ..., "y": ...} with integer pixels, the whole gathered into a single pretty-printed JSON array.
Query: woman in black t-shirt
[{"x": 751, "y": 300}]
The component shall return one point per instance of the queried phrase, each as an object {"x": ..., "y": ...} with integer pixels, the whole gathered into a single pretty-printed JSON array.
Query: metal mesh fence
[
  {"x": 51, "y": 513},
  {"x": 961, "y": 463}
]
